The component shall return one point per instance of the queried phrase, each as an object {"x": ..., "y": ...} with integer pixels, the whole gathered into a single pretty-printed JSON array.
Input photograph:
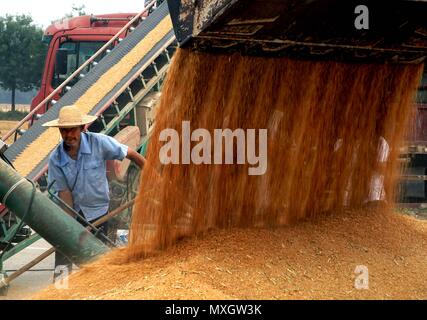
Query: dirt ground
[
  {"x": 352, "y": 255},
  {"x": 5, "y": 126}
]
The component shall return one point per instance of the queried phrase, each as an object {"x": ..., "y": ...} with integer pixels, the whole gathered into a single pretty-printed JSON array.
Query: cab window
[{"x": 70, "y": 56}]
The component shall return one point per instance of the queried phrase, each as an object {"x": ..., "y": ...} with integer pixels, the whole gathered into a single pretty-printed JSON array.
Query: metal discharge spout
[{"x": 370, "y": 31}]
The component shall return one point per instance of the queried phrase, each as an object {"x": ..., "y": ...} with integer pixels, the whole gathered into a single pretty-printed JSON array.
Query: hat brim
[{"x": 55, "y": 123}]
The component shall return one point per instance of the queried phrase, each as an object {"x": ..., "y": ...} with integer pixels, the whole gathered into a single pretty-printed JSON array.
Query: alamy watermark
[
  {"x": 362, "y": 20},
  {"x": 218, "y": 149},
  {"x": 61, "y": 281},
  {"x": 361, "y": 282}
]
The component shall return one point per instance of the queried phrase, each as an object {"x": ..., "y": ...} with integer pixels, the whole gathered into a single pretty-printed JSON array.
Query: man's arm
[
  {"x": 136, "y": 157},
  {"x": 60, "y": 185},
  {"x": 114, "y": 150},
  {"x": 67, "y": 197}
]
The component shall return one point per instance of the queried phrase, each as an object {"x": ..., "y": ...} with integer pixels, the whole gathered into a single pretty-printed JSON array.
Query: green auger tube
[{"x": 47, "y": 219}]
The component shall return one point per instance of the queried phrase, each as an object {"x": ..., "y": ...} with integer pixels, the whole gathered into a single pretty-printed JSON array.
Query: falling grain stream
[
  {"x": 325, "y": 123},
  {"x": 300, "y": 229}
]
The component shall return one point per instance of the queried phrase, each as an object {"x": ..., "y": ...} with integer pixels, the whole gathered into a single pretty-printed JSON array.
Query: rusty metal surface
[
  {"x": 116, "y": 169},
  {"x": 317, "y": 29}
]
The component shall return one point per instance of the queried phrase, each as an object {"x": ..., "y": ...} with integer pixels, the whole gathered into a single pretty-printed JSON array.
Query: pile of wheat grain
[{"x": 328, "y": 257}]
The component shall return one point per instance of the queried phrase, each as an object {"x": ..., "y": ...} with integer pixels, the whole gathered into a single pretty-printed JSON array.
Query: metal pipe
[
  {"x": 47, "y": 253},
  {"x": 74, "y": 213},
  {"x": 94, "y": 19},
  {"x": 28, "y": 266},
  {"x": 47, "y": 219}
]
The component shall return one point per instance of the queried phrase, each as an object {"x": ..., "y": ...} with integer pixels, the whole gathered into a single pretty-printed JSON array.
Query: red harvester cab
[{"x": 71, "y": 42}]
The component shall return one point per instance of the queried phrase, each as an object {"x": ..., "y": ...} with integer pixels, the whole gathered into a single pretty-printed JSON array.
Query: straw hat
[{"x": 70, "y": 117}]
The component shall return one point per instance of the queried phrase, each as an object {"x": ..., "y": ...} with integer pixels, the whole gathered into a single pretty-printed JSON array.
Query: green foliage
[
  {"x": 22, "y": 54},
  {"x": 76, "y": 11},
  {"x": 13, "y": 115},
  {"x": 80, "y": 11}
]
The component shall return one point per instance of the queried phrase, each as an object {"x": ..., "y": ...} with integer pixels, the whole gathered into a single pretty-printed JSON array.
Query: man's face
[{"x": 71, "y": 136}]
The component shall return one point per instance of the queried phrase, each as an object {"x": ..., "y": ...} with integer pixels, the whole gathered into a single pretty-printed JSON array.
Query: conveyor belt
[{"x": 30, "y": 153}]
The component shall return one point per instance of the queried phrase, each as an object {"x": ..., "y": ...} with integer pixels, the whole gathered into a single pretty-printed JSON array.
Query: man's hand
[{"x": 136, "y": 157}]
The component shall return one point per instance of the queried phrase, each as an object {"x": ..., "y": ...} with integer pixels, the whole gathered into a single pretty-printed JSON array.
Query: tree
[
  {"x": 76, "y": 11},
  {"x": 22, "y": 54}
]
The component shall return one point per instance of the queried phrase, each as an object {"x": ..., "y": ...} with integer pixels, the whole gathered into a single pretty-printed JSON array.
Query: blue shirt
[{"x": 87, "y": 174}]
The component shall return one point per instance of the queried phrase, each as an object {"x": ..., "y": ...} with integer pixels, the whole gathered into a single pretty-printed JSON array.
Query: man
[
  {"x": 78, "y": 167},
  {"x": 377, "y": 192}
]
